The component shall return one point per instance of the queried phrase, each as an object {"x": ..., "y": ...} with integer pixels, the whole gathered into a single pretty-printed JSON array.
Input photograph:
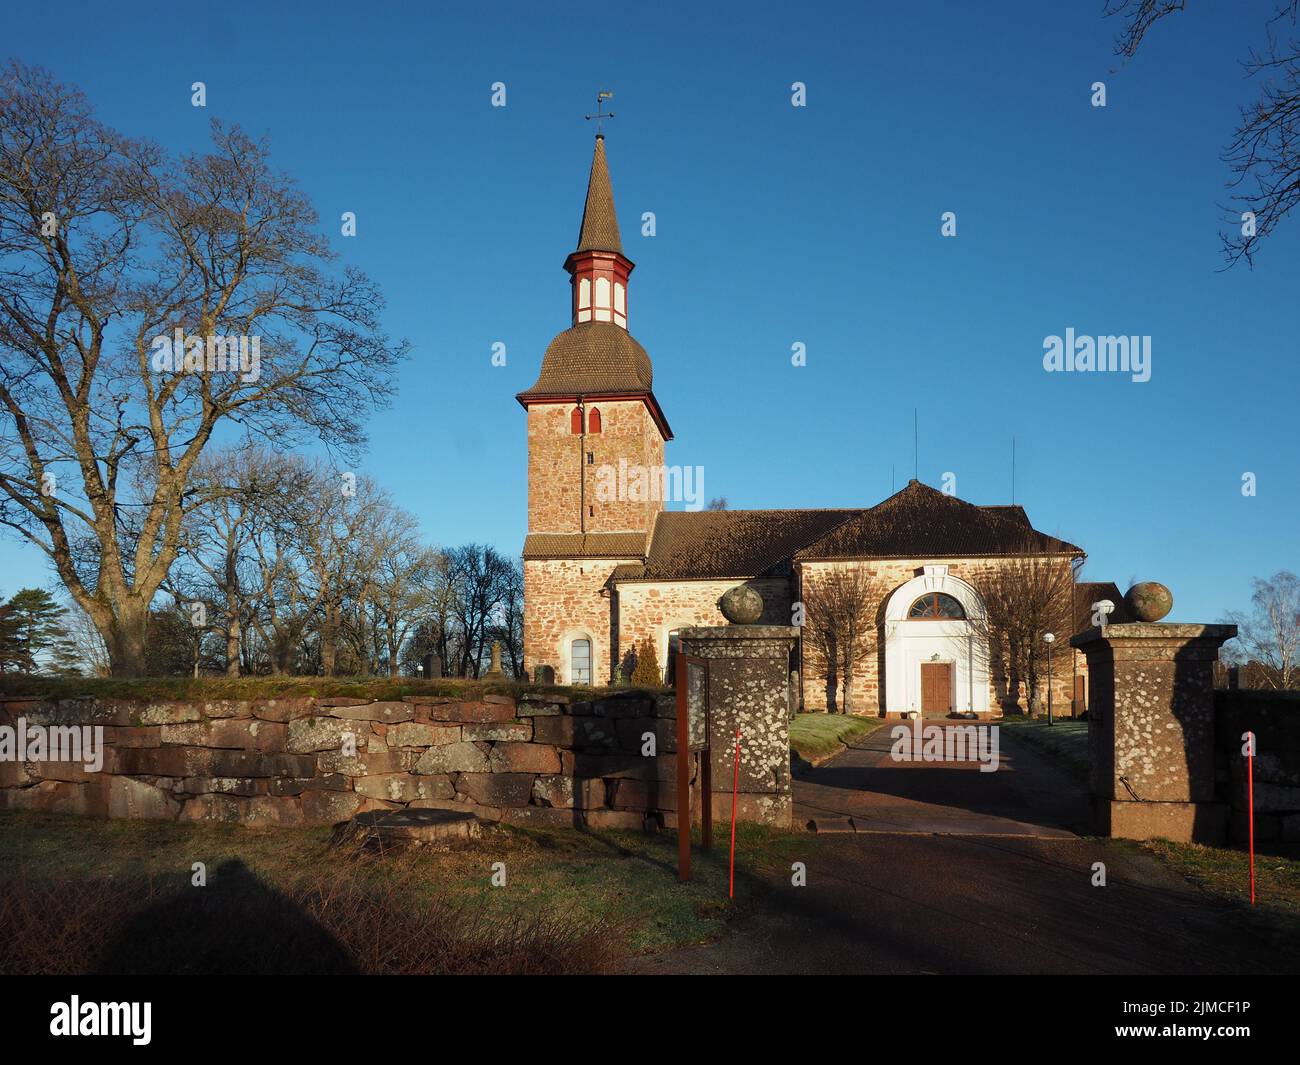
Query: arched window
[
  {"x": 593, "y": 420},
  {"x": 937, "y": 605},
  {"x": 575, "y": 421},
  {"x": 580, "y": 662}
]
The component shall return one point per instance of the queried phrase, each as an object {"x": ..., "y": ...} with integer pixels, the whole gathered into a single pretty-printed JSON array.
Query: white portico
[{"x": 936, "y": 660}]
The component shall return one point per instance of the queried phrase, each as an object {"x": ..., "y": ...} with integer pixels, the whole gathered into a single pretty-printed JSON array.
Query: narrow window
[
  {"x": 575, "y": 421},
  {"x": 580, "y": 659},
  {"x": 593, "y": 420}
]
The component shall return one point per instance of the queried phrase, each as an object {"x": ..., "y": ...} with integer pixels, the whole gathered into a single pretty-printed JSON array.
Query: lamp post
[{"x": 1049, "y": 638}]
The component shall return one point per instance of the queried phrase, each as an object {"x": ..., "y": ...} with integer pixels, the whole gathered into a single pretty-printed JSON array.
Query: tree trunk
[
  {"x": 232, "y": 644},
  {"x": 125, "y": 639}
]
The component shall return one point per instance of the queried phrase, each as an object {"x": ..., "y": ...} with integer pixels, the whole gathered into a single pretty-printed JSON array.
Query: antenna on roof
[
  {"x": 1013, "y": 471},
  {"x": 916, "y": 463}
]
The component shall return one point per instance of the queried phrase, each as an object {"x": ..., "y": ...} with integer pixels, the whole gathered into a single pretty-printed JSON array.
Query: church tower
[{"x": 593, "y": 421}]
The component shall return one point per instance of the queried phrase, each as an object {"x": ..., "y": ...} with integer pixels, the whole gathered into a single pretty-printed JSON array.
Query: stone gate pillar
[
  {"x": 1151, "y": 729},
  {"x": 749, "y": 669}
]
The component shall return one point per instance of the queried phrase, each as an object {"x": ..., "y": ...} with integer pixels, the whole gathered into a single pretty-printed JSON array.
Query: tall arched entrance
[{"x": 936, "y": 656}]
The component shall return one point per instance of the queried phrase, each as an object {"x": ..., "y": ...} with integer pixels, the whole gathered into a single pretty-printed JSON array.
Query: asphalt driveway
[{"x": 938, "y": 868}]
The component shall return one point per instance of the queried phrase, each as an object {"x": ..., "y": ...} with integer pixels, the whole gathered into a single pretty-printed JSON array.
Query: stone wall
[
  {"x": 1274, "y": 718},
  {"x": 540, "y": 757}
]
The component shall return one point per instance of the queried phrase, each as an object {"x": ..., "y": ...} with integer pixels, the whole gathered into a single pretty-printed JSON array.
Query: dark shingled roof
[
  {"x": 921, "y": 521},
  {"x": 599, "y": 230},
  {"x": 1088, "y": 592},
  {"x": 593, "y": 358},
  {"x": 708, "y": 544},
  {"x": 588, "y": 545}
]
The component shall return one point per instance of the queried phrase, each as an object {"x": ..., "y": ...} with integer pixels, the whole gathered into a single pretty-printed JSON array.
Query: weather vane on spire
[{"x": 601, "y": 114}]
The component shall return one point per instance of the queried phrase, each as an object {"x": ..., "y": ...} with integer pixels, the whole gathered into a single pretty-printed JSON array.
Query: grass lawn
[
  {"x": 816, "y": 737},
  {"x": 1226, "y": 873},
  {"x": 1066, "y": 741},
  {"x": 610, "y": 894}
]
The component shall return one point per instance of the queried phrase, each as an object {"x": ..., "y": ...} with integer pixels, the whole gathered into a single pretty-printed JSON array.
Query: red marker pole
[
  {"x": 735, "y": 788},
  {"x": 1250, "y": 801}
]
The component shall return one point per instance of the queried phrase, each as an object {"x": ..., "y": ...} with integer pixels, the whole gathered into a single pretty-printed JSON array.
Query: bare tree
[
  {"x": 1026, "y": 596},
  {"x": 124, "y": 275},
  {"x": 1264, "y": 153},
  {"x": 838, "y": 628},
  {"x": 1270, "y": 633},
  {"x": 479, "y": 574}
]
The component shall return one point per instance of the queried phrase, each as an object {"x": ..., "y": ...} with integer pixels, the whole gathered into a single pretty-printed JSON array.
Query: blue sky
[{"x": 779, "y": 225}]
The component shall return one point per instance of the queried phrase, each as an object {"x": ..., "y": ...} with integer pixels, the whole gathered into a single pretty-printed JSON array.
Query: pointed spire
[{"x": 599, "y": 222}]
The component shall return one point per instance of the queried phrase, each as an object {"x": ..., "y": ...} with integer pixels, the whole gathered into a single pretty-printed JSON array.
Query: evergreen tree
[
  {"x": 34, "y": 627},
  {"x": 647, "y": 674}
]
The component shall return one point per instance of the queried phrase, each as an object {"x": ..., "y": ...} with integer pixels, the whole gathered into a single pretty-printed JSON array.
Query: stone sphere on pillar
[
  {"x": 741, "y": 605},
  {"x": 1149, "y": 601}
]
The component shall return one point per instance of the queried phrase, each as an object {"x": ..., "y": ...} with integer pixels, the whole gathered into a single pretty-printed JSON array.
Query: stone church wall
[
  {"x": 538, "y": 757},
  {"x": 563, "y": 602},
  {"x": 655, "y": 609},
  {"x": 563, "y": 481}
]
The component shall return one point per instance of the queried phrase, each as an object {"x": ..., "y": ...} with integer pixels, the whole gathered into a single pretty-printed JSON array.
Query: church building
[{"x": 603, "y": 573}]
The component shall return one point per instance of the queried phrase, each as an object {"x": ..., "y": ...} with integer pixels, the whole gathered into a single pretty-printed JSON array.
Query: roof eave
[{"x": 527, "y": 397}]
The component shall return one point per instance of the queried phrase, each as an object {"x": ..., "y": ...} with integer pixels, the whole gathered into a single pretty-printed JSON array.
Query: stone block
[
  {"x": 167, "y": 762},
  {"x": 405, "y": 787},
  {"x": 252, "y": 735},
  {"x": 466, "y": 711},
  {"x": 496, "y": 789},
  {"x": 323, "y": 734},
  {"x": 509, "y": 757},
  {"x": 418, "y": 734},
  {"x": 137, "y": 801},
  {"x": 162, "y": 714},
  {"x": 297, "y": 785},
  {"x": 531, "y": 708},
  {"x": 541, "y": 816},
  {"x": 226, "y": 708},
  {"x": 366, "y": 763},
  {"x": 255, "y": 764},
  {"x": 388, "y": 712},
  {"x": 128, "y": 736},
  {"x": 186, "y": 734},
  {"x": 517, "y": 731},
  {"x": 570, "y": 731},
  {"x": 454, "y": 758},
  {"x": 221, "y": 808},
  {"x": 234, "y": 786},
  {"x": 330, "y": 807},
  {"x": 283, "y": 710}
]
